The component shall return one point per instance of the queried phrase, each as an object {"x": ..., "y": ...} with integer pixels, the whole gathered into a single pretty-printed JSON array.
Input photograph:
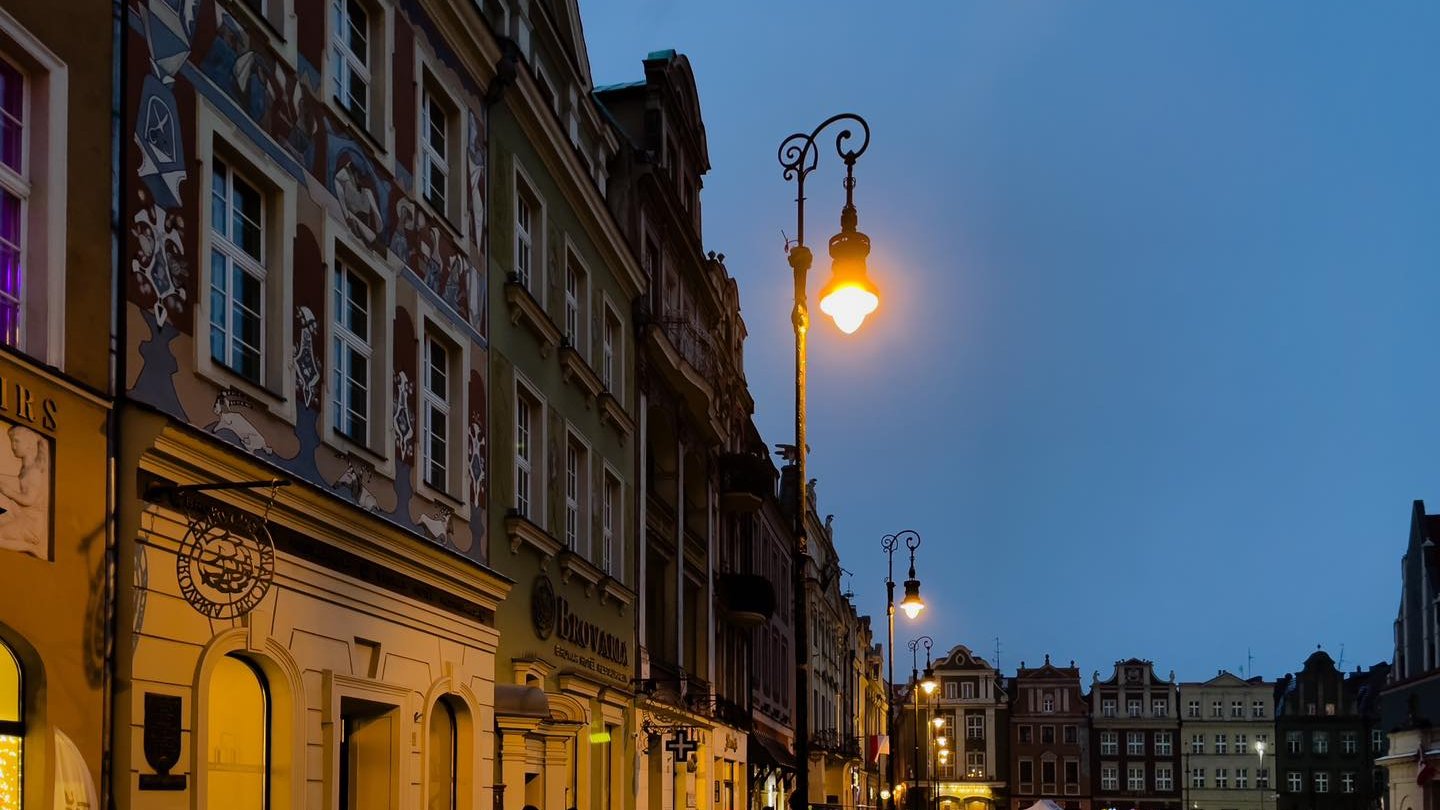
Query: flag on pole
[
  {"x": 879, "y": 744},
  {"x": 1424, "y": 771}
]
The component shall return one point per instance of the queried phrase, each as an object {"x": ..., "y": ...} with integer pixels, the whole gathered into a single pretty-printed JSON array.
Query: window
[
  {"x": 1222, "y": 778},
  {"x": 1322, "y": 782},
  {"x": 1257, "y": 708},
  {"x": 1242, "y": 745},
  {"x": 527, "y": 223},
  {"x": 1294, "y": 741},
  {"x": 610, "y": 524},
  {"x": 1047, "y": 776},
  {"x": 350, "y": 35},
  {"x": 1192, "y": 709},
  {"x": 1197, "y": 743},
  {"x": 1025, "y": 733},
  {"x": 975, "y": 764},
  {"x": 1071, "y": 735},
  {"x": 1329, "y": 709},
  {"x": 1349, "y": 743},
  {"x": 435, "y": 414},
  {"x": 575, "y": 326},
  {"x": 1027, "y": 775},
  {"x": 1217, "y": 708},
  {"x": 444, "y": 757},
  {"x": 369, "y": 743},
  {"x": 1132, "y": 706},
  {"x": 1347, "y": 782},
  {"x": 237, "y": 271},
  {"x": 1048, "y": 704},
  {"x": 1159, "y": 707},
  {"x": 1220, "y": 746},
  {"x": 1262, "y": 778},
  {"x": 577, "y": 472},
  {"x": 1072, "y": 773},
  {"x": 438, "y": 144},
  {"x": 950, "y": 691},
  {"x": 967, "y": 691},
  {"x": 609, "y": 349},
  {"x": 1237, "y": 708},
  {"x": 14, "y": 198},
  {"x": 975, "y": 726},
  {"x": 1109, "y": 743},
  {"x": 12, "y": 718},
  {"x": 1163, "y": 743},
  {"x": 1109, "y": 777},
  {"x": 1164, "y": 777},
  {"x": 1107, "y": 707},
  {"x": 352, "y": 346},
  {"x": 1047, "y": 735},
  {"x": 237, "y": 736},
  {"x": 1294, "y": 782},
  {"x": 528, "y": 441},
  {"x": 1320, "y": 742},
  {"x": 1135, "y": 777},
  {"x": 1197, "y": 777},
  {"x": 1135, "y": 742},
  {"x": 1377, "y": 740},
  {"x": 1242, "y": 778}
]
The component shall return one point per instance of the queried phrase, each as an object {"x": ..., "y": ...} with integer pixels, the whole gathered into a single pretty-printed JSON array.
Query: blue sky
[{"x": 1154, "y": 371}]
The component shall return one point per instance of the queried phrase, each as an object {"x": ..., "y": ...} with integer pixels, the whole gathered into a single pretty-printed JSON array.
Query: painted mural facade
[{"x": 212, "y": 85}]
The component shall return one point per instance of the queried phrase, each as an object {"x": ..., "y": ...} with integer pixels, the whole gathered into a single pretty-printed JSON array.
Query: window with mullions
[
  {"x": 237, "y": 271},
  {"x": 352, "y": 344},
  {"x": 435, "y": 413},
  {"x": 435, "y": 122},
  {"x": 237, "y": 732},
  {"x": 350, "y": 33},
  {"x": 14, "y": 194},
  {"x": 12, "y": 727}
]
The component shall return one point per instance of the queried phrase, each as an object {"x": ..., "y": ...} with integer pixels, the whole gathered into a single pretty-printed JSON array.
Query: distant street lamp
[
  {"x": 1259, "y": 769},
  {"x": 848, "y": 297},
  {"x": 912, "y": 605},
  {"x": 927, "y": 685}
]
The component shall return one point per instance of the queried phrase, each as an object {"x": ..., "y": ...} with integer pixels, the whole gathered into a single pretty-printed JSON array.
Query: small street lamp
[
  {"x": 927, "y": 686},
  {"x": 1259, "y": 769},
  {"x": 848, "y": 298},
  {"x": 912, "y": 607}
]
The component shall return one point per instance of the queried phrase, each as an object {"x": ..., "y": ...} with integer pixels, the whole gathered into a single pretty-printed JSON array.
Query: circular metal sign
[
  {"x": 542, "y": 607},
  {"x": 226, "y": 562}
]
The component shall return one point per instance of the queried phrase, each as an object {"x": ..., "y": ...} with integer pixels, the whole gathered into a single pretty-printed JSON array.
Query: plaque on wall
[
  {"x": 162, "y": 742},
  {"x": 27, "y": 479}
]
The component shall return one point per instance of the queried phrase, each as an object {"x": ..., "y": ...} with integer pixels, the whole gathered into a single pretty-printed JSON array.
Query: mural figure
[
  {"x": 404, "y": 421},
  {"x": 25, "y": 493},
  {"x": 357, "y": 190},
  {"x": 159, "y": 263},
  {"x": 437, "y": 522},
  {"x": 477, "y": 460},
  {"x": 169, "y": 27},
  {"x": 475, "y": 164},
  {"x": 307, "y": 367},
  {"x": 357, "y": 478},
  {"x": 157, "y": 134},
  {"x": 231, "y": 409}
]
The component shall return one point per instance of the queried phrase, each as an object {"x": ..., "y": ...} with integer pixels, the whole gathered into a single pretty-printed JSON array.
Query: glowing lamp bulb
[{"x": 848, "y": 305}]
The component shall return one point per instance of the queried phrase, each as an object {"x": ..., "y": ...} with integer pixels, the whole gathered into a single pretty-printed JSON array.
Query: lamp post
[
  {"x": 848, "y": 297},
  {"x": 1259, "y": 769},
  {"x": 927, "y": 685},
  {"x": 912, "y": 605}
]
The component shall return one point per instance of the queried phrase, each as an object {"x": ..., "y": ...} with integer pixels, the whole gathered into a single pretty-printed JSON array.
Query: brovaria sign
[{"x": 552, "y": 616}]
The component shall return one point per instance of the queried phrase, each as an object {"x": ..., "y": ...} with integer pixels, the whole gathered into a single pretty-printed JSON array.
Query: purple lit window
[{"x": 14, "y": 187}]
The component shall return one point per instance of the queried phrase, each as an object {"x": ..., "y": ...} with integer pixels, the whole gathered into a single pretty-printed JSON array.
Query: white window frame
[
  {"x": 451, "y": 206},
  {"x": 612, "y": 351},
  {"x": 1107, "y": 707},
  {"x": 1294, "y": 781},
  {"x": 1349, "y": 742},
  {"x": 1134, "y": 706},
  {"x": 1242, "y": 778},
  {"x": 343, "y": 66},
  {"x": 1347, "y": 782},
  {"x": 238, "y": 258},
  {"x": 43, "y": 219},
  {"x": 974, "y": 726},
  {"x": 1222, "y": 779},
  {"x": 217, "y": 136},
  {"x": 344, "y": 249},
  {"x": 344, "y": 342},
  {"x": 1197, "y": 743},
  {"x": 1197, "y": 778},
  {"x": 1135, "y": 778},
  {"x": 967, "y": 690},
  {"x": 1047, "y": 704},
  {"x": 612, "y": 523},
  {"x": 1159, "y": 707},
  {"x": 577, "y": 301},
  {"x": 1222, "y": 744},
  {"x": 1320, "y": 742},
  {"x": 1217, "y": 708},
  {"x": 1163, "y": 743},
  {"x": 532, "y": 238},
  {"x": 975, "y": 765},
  {"x": 1109, "y": 777},
  {"x": 1164, "y": 777},
  {"x": 432, "y": 401},
  {"x": 1109, "y": 744},
  {"x": 533, "y": 464},
  {"x": 1257, "y": 709},
  {"x": 1237, "y": 709},
  {"x": 950, "y": 690},
  {"x": 577, "y": 503},
  {"x": 1192, "y": 709},
  {"x": 1135, "y": 743},
  {"x": 1322, "y": 781}
]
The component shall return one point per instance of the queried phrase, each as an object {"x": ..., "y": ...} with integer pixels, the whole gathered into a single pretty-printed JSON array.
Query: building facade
[
  {"x": 1410, "y": 702},
  {"x": 562, "y": 279},
  {"x": 1326, "y": 744},
  {"x": 56, "y": 533},
  {"x": 1227, "y": 726},
  {"x": 1134, "y": 739},
  {"x": 974, "y": 709},
  {"x": 1050, "y": 738},
  {"x": 309, "y": 617}
]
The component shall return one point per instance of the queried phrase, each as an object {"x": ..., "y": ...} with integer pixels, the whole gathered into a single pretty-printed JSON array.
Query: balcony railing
[
  {"x": 692, "y": 344},
  {"x": 733, "y": 714},
  {"x": 833, "y": 742}
]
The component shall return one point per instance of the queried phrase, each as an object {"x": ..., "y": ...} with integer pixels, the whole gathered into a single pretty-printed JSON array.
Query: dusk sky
[{"x": 1154, "y": 370}]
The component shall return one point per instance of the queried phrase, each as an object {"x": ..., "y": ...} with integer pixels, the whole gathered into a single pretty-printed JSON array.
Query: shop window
[
  {"x": 12, "y": 728},
  {"x": 237, "y": 737}
]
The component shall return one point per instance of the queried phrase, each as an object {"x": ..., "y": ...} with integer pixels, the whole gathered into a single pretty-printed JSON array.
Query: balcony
[
  {"x": 733, "y": 714},
  {"x": 746, "y": 480},
  {"x": 685, "y": 357},
  {"x": 832, "y": 742},
  {"x": 748, "y": 599}
]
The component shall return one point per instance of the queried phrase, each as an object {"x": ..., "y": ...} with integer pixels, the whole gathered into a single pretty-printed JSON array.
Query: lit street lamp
[
  {"x": 1259, "y": 769},
  {"x": 928, "y": 685},
  {"x": 848, "y": 297},
  {"x": 912, "y": 605}
]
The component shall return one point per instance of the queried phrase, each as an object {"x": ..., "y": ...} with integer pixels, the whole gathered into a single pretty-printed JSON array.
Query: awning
[
  {"x": 513, "y": 700},
  {"x": 765, "y": 752}
]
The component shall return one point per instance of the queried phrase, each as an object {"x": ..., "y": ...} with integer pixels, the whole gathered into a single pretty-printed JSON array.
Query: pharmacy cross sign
[{"x": 681, "y": 745}]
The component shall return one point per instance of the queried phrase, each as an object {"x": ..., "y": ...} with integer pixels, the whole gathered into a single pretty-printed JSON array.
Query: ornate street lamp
[
  {"x": 912, "y": 607},
  {"x": 848, "y": 298},
  {"x": 915, "y": 690}
]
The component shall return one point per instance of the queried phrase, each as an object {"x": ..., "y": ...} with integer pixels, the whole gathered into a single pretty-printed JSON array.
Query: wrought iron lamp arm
[{"x": 798, "y": 156}]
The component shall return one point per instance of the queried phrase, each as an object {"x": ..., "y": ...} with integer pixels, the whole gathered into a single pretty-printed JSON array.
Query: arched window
[
  {"x": 237, "y": 737},
  {"x": 444, "y": 757},
  {"x": 12, "y": 728}
]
